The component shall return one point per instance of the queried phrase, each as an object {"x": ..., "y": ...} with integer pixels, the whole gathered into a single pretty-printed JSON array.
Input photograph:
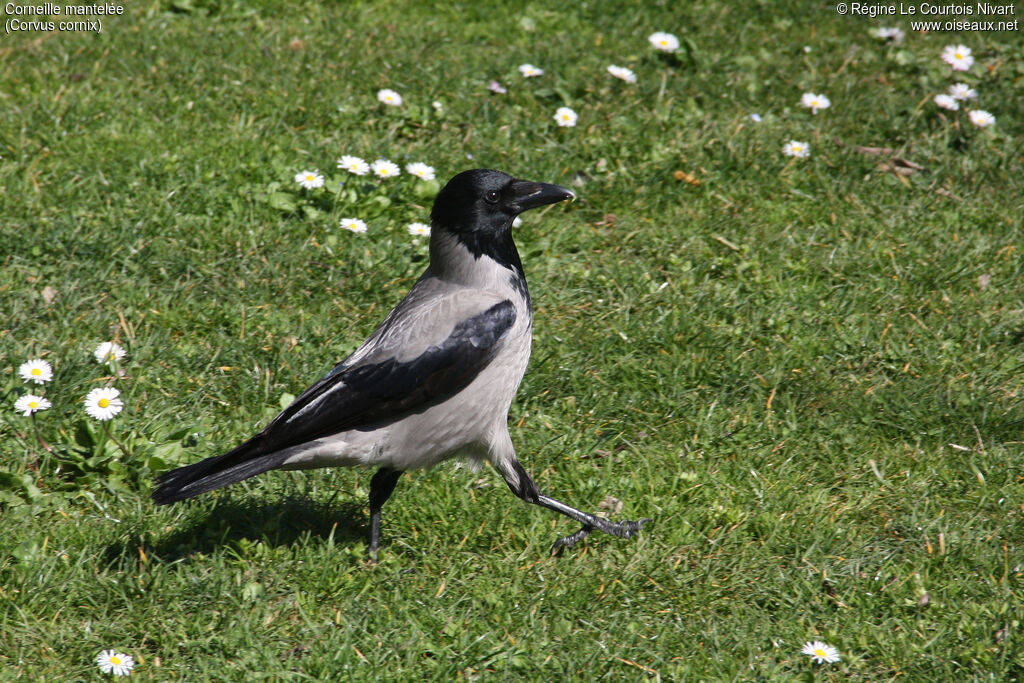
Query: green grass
[{"x": 807, "y": 372}]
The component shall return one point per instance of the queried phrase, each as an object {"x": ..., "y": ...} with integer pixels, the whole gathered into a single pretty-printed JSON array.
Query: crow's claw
[{"x": 624, "y": 529}]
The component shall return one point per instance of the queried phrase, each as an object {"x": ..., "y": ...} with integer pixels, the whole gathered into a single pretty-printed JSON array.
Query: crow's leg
[
  {"x": 381, "y": 487},
  {"x": 523, "y": 486}
]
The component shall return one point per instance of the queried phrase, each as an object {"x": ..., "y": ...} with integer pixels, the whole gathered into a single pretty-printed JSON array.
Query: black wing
[{"x": 368, "y": 395}]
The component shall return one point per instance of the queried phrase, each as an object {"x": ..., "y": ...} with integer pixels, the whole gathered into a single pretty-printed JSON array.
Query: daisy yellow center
[
  {"x": 958, "y": 55},
  {"x": 36, "y": 372},
  {"x": 103, "y": 403},
  {"x": 115, "y": 660},
  {"x": 820, "y": 653},
  {"x": 33, "y": 404},
  {"x": 310, "y": 179}
]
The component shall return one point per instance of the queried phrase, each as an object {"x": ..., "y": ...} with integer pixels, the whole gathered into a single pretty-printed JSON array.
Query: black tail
[{"x": 242, "y": 462}]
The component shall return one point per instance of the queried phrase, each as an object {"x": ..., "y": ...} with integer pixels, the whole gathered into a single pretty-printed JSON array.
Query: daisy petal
[
  {"x": 420, "y": 170},
  {"x": 108, "y": 352},
  {"x": 30, "y": 403},
  {"x": 104, "y": 403},
  {"x": 389, "y": 97},
  {"x": 36, "y": 370},
  {"x": 820, "y": 652},
  {"x": 309, "y": 179},
  {"x": 565, "y": 117},
  {"x": 353, "y": 225},
  {"x": 981, "y": 118},
  {"x": 353, "y": 165},
  {"x": 665, "y": 42},
  {"x": 795, "y": 148},
  {"x": 116, "y": 663},
  {"x": 622, "y": 73},
  {"x": 958, "y": 56},
  {"x": 419, "y": 229},
  {"x": 382, "y": 168}
]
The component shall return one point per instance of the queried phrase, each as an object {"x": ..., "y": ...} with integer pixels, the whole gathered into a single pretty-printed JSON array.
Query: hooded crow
[{"x": 434, "y": 381}]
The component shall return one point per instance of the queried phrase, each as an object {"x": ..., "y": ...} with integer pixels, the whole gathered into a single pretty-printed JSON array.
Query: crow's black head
[{"x": 478, "y": 208}]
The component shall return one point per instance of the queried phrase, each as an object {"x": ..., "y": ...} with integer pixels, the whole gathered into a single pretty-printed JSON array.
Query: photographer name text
[{"x": 981, "y": 9}]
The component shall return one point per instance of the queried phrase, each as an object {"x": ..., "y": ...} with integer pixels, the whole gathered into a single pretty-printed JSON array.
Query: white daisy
[
  {"x": 309, "y": 179},
  {"x": 565, "y": 117},
  {"x": 111, "y": 662},
  {"x": 36, "y": 370},
  {"x": 756, "y": 118},
  {"x": 389, "y": 97},
  {"x": 896, "y": 35},
  {"x": 103, "y": 403},
  {"x": 622, "y": 73},
  {"x": 438, "y": 105},
  {"x": 108, "y": 352},
  {"x": 30, "y": 403},
  {"x": 496, "y": 87},
  {"x": 419, "y": 229},
  {"x": 814, "y": 102},
  {"x": 958, "y": 56},
  {"x": 795, "y": 148},
  {"x": 353, "y": 224},
  {"x": 530, "y": 71},
  {"x": 962, "y": 92},
  {"x": 822, "y": 653},
  {"x": 666, "y": 42},
  {"x": 981, "y": 118},
  {"x": 420, "y": 170},
  {"x": 947, "y": 102},
  {"x": 353, "y": 165},
  {"x": 382, "y": 168}
]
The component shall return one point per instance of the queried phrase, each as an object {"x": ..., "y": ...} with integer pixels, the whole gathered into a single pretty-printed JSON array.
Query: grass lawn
[{"x": 808, "y": 371}]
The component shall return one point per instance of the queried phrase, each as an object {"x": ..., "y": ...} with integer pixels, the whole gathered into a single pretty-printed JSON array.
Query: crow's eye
[{"x": 492, "y": 196}]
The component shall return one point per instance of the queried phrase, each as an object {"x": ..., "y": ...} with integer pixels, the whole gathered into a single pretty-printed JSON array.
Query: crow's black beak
[{"x": 528, "y": 195}]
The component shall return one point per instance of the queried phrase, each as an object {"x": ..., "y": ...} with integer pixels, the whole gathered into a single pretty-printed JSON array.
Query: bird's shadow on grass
[{"x": 233, "y": 521}]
